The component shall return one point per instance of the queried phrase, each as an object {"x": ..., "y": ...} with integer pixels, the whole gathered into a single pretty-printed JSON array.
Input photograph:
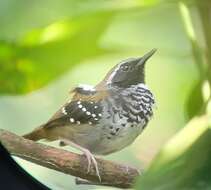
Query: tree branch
[{"x": 112, "y": 174}]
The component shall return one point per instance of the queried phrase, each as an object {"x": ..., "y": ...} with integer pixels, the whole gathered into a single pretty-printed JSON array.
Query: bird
[{"x": 103, "y": 119}]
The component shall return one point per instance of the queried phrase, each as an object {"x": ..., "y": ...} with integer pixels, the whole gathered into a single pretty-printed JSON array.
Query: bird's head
[{"x": 128, "y": 72}]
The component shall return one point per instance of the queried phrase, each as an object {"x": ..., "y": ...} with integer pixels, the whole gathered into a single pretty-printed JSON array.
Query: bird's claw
[{"x": 91, "y": 159}]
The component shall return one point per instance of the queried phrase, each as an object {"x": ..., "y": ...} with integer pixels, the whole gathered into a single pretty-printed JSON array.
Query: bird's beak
[{"x": 143, "y": 59}]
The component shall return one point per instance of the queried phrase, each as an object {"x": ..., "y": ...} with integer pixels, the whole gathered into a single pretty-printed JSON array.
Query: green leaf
[
  {"x": 44, "y": 54},
  {"x": 184, "y": 163},
  {"x": 195, "y": 102}
]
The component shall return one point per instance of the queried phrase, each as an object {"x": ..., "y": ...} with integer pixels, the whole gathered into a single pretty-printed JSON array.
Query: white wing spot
[
  {"x": 96, "y": 119},
  {"x": 100, "y": 114},
  {"x": 83, "y": 109},
  {"x": 90, "y": 122},
  {"x": 64, "y": 111},
  {"x": 78, "y": 122},
  {"x": 79, "y": 102},
  {"x": 87, "y": 87},
  {"x": 72, "y": 120},
  {"x": 80, "y": 106},
  {"x": 88, "y": 113},
  {"x": 93, "y": 115},
  {"x": 95, "y": 107},
  {"x": 92, "y": 102}
]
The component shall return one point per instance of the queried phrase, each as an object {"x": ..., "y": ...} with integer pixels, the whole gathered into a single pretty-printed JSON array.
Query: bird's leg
[{"x": 87, "y": 153}]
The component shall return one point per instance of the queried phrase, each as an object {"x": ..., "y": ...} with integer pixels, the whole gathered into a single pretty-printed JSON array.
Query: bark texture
[{"x": 112, "y": 174}]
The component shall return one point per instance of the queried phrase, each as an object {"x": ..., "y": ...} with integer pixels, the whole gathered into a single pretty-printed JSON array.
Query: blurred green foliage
[
  {"x": 47, "y": 47},
  {"x": 184, "y": 162},
  {"x": 44, "y": 54}
]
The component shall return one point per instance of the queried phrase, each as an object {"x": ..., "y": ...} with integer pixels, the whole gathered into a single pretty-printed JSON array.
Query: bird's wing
[{"x": 84, "y": 108}]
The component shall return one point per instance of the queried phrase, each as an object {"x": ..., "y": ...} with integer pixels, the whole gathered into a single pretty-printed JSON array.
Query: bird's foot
[
  {"x": 91, "y": 160},
  {"x": 90, "y": 157}
]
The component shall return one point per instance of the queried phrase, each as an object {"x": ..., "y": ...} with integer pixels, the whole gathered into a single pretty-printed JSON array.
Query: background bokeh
[{"x": 48, "y": 47}]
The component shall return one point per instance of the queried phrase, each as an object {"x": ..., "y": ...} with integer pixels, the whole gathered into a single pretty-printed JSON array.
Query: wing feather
[{"x": 84, "y": 108}]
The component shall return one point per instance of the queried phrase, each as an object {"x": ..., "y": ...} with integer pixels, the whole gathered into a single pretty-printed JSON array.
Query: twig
[{"x": 112, "y": 174}]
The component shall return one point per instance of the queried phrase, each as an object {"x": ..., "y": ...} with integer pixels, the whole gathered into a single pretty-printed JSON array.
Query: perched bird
[{"x": 106, "y": 118}]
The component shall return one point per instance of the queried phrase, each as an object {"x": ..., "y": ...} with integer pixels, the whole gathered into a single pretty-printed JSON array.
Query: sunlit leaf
[
  {"x": 195, "y": 101},
  {"x": 184, "y": 163},
  {"x": 149, "y": 2},
  {"x": 45, "y": 54}
]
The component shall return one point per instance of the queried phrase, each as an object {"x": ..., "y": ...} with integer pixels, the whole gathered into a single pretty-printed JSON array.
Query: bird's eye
[{"x": 124, "y": 67}]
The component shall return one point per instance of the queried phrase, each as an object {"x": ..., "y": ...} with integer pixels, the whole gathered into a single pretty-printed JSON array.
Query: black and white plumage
[
  {"x": 117, "y": 119},
  {"x": 124, "y": 117},
  {"x": 78, "y": 111},
  {"x": 105, "y": 118},
  {"x": 82, "y": 112}
]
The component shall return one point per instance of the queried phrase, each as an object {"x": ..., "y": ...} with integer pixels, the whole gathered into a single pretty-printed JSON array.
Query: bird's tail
[{"x": 37, "y": 134}]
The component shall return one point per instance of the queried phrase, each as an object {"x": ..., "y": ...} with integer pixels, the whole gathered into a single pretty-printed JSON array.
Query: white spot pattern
[
  {"x": 87, "y": 87},
  {"x": 83, "y": 109},
  {"x": 64, "y": 111},
  {"x": 82, "y": 112},
  {"x": 78, "y": 122},
  {"x": 88, "y": 113},
  {"x": 72, "y": 120}
]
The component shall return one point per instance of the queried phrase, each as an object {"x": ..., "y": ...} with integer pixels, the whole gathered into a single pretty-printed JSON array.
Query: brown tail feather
[{"x": 37, "y": 134}]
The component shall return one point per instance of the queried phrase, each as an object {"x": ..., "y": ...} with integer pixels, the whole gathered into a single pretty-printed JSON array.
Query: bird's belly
[
  {"x": 88, "y": 137},
  {"x": 118, "y": 141},
  {"x": 102, "y": 140}
]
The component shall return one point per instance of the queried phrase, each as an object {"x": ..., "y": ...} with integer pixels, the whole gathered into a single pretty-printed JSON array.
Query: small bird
[{"x": 106, "y": 118}]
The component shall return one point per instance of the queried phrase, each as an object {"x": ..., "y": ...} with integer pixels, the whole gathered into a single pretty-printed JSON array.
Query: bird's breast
[
  {"x": 133, "y": 105},
  {"x": 124, "y": 117}
]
